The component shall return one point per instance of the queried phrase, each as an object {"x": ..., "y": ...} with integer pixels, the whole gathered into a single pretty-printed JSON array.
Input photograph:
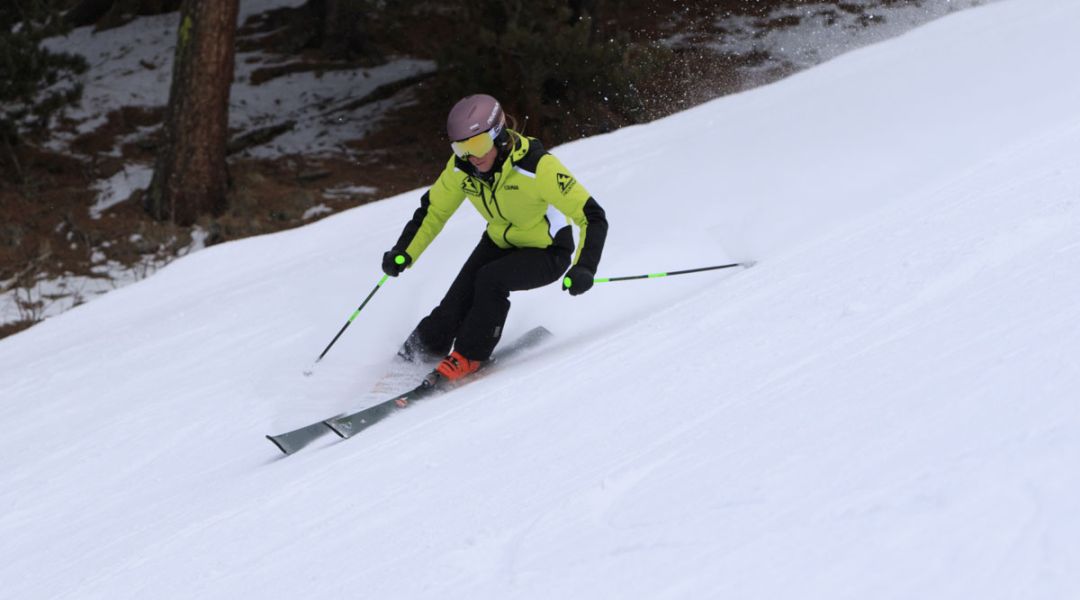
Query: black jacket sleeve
[{"x": 595, "y": 235}]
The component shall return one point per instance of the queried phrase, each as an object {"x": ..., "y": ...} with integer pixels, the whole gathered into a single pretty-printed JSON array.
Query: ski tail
[{"x": 295, "y": 440}]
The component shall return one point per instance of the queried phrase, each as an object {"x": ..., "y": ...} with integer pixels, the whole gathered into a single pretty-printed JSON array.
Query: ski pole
[
  {"x": 748, "y": 264},
  {"x": 307, "y": 373}
]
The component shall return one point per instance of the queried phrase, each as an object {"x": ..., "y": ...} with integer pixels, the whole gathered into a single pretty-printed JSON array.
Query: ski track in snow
[{"x": 884, "y": 407}]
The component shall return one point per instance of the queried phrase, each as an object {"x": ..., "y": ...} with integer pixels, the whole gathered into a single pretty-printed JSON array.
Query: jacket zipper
[
  {"x": 495, "y": 200},
  {"x": 483, "y": 197}
]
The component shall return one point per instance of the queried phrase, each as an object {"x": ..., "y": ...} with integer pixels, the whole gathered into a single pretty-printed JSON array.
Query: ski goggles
[{"x": 477, "y": 145}]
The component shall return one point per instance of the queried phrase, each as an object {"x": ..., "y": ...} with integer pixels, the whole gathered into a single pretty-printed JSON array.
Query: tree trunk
[{"x": 191, "y": 176}]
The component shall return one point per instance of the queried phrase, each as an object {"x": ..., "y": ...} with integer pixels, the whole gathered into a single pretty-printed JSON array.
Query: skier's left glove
[{"x": 578, "y": 280}]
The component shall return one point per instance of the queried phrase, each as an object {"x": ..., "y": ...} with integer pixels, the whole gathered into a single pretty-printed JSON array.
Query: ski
[{"x": 349, "y": 425}]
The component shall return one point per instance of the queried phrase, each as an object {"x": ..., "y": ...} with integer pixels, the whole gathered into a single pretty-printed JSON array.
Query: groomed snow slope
[{"x": 885, "y": 407}]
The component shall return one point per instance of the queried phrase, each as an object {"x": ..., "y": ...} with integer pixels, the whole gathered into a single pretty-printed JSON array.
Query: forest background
[{"x": 333, "y": 103}]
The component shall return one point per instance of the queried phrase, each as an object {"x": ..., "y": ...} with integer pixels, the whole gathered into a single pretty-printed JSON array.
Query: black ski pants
[{"x": 470, "y": 317}]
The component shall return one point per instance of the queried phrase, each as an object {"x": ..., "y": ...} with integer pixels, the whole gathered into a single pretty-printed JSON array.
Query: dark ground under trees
[{"x": 539, "y": 56}]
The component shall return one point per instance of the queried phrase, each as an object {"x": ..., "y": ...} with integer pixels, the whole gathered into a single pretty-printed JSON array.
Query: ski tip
[
  {"x": 278, "y": 444},
  {"x": 748, "y": 263},
  {"x": 536, "y": 334}
]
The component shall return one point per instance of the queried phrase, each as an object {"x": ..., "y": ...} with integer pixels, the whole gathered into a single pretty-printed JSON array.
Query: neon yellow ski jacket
[{"x": 527, "y": 203}]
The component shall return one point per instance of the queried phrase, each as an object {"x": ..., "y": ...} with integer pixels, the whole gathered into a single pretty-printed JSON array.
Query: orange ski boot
[{"x": 456, "y": 366}]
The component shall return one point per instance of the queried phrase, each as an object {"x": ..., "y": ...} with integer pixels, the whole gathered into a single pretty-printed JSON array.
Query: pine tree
[{"x": 191, "y": 175}]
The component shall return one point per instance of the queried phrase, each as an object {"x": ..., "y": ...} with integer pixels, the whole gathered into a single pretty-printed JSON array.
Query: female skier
[{"x": 515, "y": 185}]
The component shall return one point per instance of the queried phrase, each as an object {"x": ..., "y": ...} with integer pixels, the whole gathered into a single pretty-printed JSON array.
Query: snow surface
[{"x": 884, "y": 407}]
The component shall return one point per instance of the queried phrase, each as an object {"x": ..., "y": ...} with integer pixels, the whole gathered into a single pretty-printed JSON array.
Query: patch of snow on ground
[
  {"x": 314, "y": 211},
  {"x": 132, "y": 66},
  {"x": 50, "y": 297},
  {"x": 119, "y": 187},
  {"x": 250, "y": 8},
  {"x": 47, "y": 298},
  {"x": 350, "y": 190},
  {"x": 824, "y": 30},
  {"x": 129, "y": 66},
  {"x": 328, "y": 108}
]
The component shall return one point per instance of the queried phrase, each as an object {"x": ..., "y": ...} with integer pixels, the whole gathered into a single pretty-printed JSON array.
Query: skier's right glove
[{"x": 394, "y": 263}]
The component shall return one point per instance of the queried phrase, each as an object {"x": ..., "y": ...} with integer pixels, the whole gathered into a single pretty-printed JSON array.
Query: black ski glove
[
  {"x": 578, "y": 280},
  {"x": 393, "y": 263}
]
